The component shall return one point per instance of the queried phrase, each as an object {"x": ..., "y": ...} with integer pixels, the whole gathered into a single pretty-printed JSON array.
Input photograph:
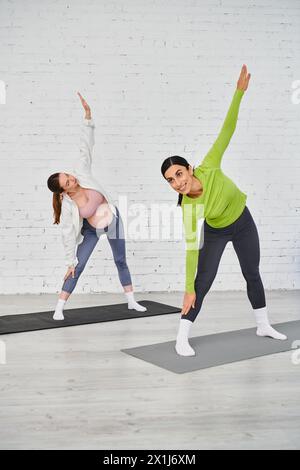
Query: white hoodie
[{"x": 70, "y": 219}]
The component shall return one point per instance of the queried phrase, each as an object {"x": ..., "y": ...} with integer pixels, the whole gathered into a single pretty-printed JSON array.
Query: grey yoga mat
[
  {"x": 217, "y": 349},
  {"x": 80, "y": 316}
]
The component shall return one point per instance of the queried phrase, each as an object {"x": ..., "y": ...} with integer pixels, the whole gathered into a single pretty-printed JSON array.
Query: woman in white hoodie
[{"x": 87, "y": 211}]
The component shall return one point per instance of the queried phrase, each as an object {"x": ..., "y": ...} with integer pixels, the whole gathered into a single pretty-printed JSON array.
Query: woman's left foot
[
  {"x": 268, "y": 330},
  {"x": 135, "y": 306}
]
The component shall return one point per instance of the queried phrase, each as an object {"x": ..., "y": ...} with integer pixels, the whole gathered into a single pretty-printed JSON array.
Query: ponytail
[
  {"x": 179, "y": 200},
  {"x": 56, "y": 203},
  {"x": 54, "y": 186}
]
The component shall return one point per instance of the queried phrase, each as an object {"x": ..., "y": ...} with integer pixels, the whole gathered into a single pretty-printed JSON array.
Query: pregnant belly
[{"x": 102, "y": 217}]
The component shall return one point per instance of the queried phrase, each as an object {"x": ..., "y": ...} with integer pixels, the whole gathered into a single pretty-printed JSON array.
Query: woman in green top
[{"x": 208, "y": 196}]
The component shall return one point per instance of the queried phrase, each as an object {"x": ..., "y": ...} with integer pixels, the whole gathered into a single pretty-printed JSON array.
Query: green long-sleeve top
[{"x": 221, "y": 202}]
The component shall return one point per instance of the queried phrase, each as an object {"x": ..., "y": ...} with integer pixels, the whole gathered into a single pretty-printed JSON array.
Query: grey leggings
[
  {"x": 244, "y": 237},
  {"x": 116, "y": 239}
]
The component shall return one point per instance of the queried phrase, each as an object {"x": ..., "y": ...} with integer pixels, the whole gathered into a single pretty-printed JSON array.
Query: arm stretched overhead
[
  {"x": 87, "y": 141},
  {"x": 214, "y": 155}
]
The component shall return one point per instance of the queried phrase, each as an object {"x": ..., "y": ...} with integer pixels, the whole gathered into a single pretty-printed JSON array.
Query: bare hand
[
  {"x": 85, "y": 106},
  {"x": 71, "y": 270},
  {"x": 244, "y": 78},
  {"x": 188, "y": 302}
]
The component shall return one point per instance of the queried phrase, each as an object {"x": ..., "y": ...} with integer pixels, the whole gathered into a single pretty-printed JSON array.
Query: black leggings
[{"x": 244, "y": 237}]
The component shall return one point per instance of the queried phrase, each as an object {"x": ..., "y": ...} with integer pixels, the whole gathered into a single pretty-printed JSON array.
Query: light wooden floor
[{"x": 72, "y": 388}]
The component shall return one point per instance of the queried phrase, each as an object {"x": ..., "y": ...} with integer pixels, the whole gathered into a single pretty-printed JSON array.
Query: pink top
[{"x": 94, "y": 200}]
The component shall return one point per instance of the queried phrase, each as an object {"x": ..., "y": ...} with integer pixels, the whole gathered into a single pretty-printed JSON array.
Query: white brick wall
[{"x": 159, "y": 76}]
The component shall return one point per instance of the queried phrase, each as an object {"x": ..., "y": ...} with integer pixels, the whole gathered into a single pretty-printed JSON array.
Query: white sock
[
  {"x": 183, "y": 347},
  {"x": 263, "y": 326},
  {"x": 132, "y": 304},
  {"x": 58, "y": 314}
]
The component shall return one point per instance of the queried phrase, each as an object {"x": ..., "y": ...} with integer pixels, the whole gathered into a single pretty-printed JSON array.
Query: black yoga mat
[
  {"x": 80, "y": 316},
  {"x": 219, "y": 348}
]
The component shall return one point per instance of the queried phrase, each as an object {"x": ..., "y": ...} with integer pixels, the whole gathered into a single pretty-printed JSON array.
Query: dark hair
[
  {"x": 54, "y": 186},
  {"x": 174, "y": 160}
]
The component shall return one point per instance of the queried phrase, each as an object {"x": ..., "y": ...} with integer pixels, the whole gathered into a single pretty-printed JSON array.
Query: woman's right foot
[
  {"x": 58, "y": 316},
  {"x": 136, "y": 306},
  {"x": 183, "y": 348}
]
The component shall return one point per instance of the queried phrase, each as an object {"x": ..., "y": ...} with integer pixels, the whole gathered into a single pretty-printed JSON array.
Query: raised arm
[
  {"x": 87, "y": 140},
  {"x": 214, "y": 156},
  {"x": 87, "y": 109}
]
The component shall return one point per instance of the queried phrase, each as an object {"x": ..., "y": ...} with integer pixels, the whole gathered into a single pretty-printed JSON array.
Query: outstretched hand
[
  {"x": 188, "y": 302},
  {"x": 71, "y": 270},
  {"x": 244, "y": 78},
  {"x": 85, "y": 106}
]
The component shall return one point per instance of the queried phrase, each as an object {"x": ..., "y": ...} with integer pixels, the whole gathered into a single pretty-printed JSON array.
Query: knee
[
  {"x": 252, "y": 276},
  {"x": 78, "y": 269}
]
